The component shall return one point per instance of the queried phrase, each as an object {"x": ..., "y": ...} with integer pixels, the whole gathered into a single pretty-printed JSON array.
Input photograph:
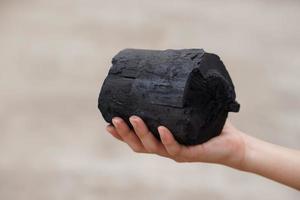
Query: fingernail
[
  {"x": 161, "y": 134},
  {"x": 133, "y": 117},
  {"x": 115, "y": 121},
  {"x": 132, "y": 120}
]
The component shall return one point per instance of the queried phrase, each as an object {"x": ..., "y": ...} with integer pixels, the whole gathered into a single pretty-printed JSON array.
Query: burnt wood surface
[{"x": 189, "y": 91}]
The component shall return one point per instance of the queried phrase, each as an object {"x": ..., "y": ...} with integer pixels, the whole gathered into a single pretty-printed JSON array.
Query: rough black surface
[{"x": 189, "y": 91}]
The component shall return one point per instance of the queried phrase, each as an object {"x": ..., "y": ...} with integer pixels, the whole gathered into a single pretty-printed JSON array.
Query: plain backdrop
[{"x": 54, "y": 56}]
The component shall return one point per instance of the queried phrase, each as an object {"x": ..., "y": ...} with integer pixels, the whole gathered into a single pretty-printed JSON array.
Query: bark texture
[{"x": 189, "y": 91}]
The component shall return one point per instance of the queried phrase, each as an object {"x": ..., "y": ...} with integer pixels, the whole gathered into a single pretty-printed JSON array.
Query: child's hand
[{"x": 228, "y": 148}]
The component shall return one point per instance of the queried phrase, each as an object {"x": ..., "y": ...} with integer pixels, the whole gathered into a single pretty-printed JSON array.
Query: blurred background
[{"x": 54, "y": 56}]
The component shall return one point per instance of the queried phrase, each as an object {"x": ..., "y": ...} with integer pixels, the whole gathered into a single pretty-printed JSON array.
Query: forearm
[{"x": 272, "y": 161}]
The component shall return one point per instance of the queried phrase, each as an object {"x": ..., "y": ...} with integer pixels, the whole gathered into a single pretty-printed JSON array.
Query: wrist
[
  {"x": 248, "y": 152},
  {"x": 239, "y": 150},
  {"x": 251, "y": 153}
]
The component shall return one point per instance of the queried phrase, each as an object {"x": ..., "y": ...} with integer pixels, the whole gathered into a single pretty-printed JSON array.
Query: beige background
[{"x": 55, "y": 54}]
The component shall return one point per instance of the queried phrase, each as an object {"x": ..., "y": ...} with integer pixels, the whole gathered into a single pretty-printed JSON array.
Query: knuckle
[
  {"x": 125, "y": 138},
  {"x": 137, "y": 149},
  {"x": 153, "y": 148},
  {"x": 126, "y": 135},
  {"x": 141, "y": 135},
  {"x": 174, "y": 152}
]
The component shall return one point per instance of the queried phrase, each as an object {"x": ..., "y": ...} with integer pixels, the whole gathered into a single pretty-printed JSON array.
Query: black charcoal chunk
[{"x": 189, "y": 91}]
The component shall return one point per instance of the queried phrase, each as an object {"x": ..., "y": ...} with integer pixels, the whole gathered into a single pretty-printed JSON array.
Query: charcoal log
[{"x": 189, "y": 91}]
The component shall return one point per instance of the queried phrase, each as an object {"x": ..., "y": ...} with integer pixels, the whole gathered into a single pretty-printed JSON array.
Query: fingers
[
  {"x": 150, "y": 143},
  {"x": 177, "y": 151},
  {"x": 128, "y": 135},
  {"x": 171, "y": 145},
  {"x": 143, "y": 141},
  {"x": 113, "y": 132}
]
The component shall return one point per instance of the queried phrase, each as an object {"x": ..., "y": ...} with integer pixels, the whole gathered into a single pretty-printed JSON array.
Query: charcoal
[{"x": 189, "y": 91}]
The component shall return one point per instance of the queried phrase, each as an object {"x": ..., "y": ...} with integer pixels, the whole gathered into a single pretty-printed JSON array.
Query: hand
[
  {"x": 232, "y": 148},
  {"x": 228, "y": 148}
]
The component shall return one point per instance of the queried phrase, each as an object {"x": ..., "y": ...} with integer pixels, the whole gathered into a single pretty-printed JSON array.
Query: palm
[{"x": 227, "y": 148}]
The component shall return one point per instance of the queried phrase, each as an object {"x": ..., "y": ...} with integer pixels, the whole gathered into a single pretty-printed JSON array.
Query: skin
[{"x": 231, "y": 148}]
